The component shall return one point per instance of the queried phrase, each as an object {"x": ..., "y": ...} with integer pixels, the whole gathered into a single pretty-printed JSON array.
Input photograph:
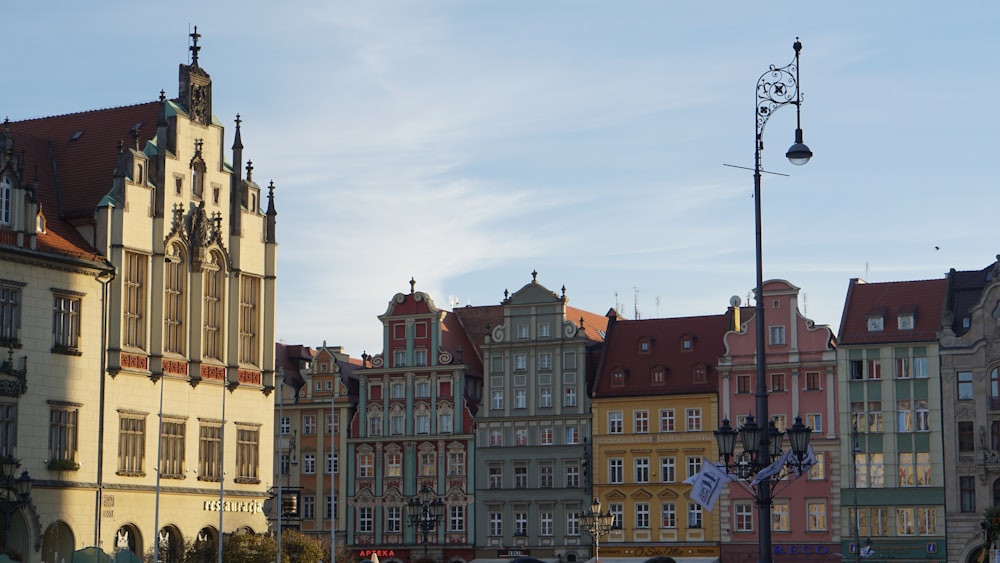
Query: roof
[
  {"x": 623, "y": 351},
  {"x": 290, "y": 359},
  {"x": 965, "y": 288},
  {"x": 923, "y": 298},
  {"x": 72, "y": 158}
]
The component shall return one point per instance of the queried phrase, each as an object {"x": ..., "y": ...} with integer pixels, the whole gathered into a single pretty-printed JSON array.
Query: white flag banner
[
  {"x": 809, "y": 461},
  {"x": 707, "y": 484},
  {"x": 771, "y": 470}
]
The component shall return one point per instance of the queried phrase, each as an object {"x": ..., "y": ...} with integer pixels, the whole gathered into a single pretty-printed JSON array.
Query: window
[
  {"x": 693, "y": 466},
  {"x": 521, "y": 437},
  {"x": 780, "y": 521},
  {"x": 8, "y": 428},
  {"x": 249, "y": 321},
  {"x": 134, "y": 306},
  {"x": 366, "y": 464},
  {"x": 308, "y": 507},
  {"x": 496, "y": 401},
  {"x": 903, "y": 367},
  {"x": 375, "y": 423},
  {"x": 543, "y": 330},
  {"x": 309, "y": 463},
  {"x": 905, "y": 322},
  {"x": 365, "y": 519},
  {"x": 496, "y": 364},
  {"x": 915, "y": 521},
  {"x": 744, "y": 517},
  {"x": 694, "y": 515},
  {"x": 545, "y": 437},
  {"x": 522, "y": 331},
  {"x": 248, "y": 455},
  {"x": 668, "y": 515},
  {"x": 309, "y": 424},
  {"x": 175, "y": 306},
  {"x": 572, "y": 523},
  {"x": 520, "y": 523},
  {"x": 396, "y": 422},
  {"x": 456, "y": 463},
  {"x": 618, "y": 378},
  {"x": 875, "y": 416},
  {"x": 914, "y": 469},
  {"x": 616, "y": 474},
  {"x": 967, "y": 493},
  {"x": 456, "y": 518},
  {"x": 62, "y": 433},
  {"x": 743, "y": 384},
  {"x": 569, "y": 397},
  {"x": 10, "y": 313},
  {"x": 869, "y": 470},
  {"x": 212, "y": 315},
  {"x": 815, "y": 421},
  {"x": 904, "y": 416},
  {"x": 66, "y": 323},
  {"x": 545, "y": 523},
  {"x": 6, "y": 199},
  {"x": 423, "y": 423},
  {"x": 545, "y": 361},
  {"x": 520, "y": 362},
  {"x": 131, "y": 444},
  {"x": 644, "y": 346},
  {"x": 658, "y": 376},
  {"x": 965, "y": 386},
  {"x": 966, "y": 436},
  {"x": 393, "y": 464},
  {"x": 496, "y": 523},
  {"x": 816, "y": 515},
  {"x": 545, "y": 475},
  {"x": 812, "y": 381},
  {"x": 393, "y": 520},
  {"x": 693, "y": 420},
  {"x": 496, "y": 476},
  {"x": 615, "y": 425},
  {"x": 398, "y": 358},
  {"x": 172, "y": 449},
  {"x": 818, "y": 470},
  {"x": 520, "y": 398},
  {"x": 640, "y": 421},
  {"x": 332, "y": 425},
  {"x": 777, "y": 382},
  {"x": 667, "y": 420},
  {"x": 572, "y": 476},
  {"x": 668, "y": 469},
  {"x": 445, "y": 423},
  {"x": 874, "y": 368},
  {"x": 920, "y": 363},
  {"x": 423, "y": 389},
  {"x": 332, "y": 463},
  {"x": 641, "y": 515},
  {"x": 572, "y": 436},
  {"x": 545, "y": 397},
  {"x": 396, "y": 390},
  {"x": 777, "y": 336},
  {"x": 286, "y": 461},
  {"x": 641, "y": 466},
  {"x": 210, "y": 452},
  {"x": 876, "y": 324},
  {"x": 496, "y": 437},
  {"x": 428, "y": 464},
  {"x": 420, "y": 357}
]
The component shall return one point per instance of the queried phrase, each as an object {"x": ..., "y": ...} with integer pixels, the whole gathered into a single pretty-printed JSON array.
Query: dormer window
[
  {"x": 905, "y": 322},
  {"x": 658, "y": 376},
  {"x": 6, "y": 200},
  {"x": 876, "y": 324},
  {"x": 644, "y": 346},
  {"x": 687, "y": 343},
  {"x": 618, "y": 378}
]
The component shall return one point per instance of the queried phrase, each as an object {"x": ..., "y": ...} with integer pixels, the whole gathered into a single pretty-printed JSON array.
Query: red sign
[{"x": 367, "y": 553}]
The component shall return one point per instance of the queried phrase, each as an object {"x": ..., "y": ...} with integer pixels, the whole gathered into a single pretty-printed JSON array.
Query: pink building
[{"x": 801, "y": 381}]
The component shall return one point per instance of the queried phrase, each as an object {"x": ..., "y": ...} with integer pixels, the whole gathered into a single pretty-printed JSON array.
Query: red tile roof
[
  {"x": 665, "y": 337},
  {"x": 889, "y": 299}
]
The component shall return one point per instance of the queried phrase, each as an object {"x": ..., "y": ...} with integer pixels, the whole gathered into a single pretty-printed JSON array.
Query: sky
[{"x": 466, "y": 144}]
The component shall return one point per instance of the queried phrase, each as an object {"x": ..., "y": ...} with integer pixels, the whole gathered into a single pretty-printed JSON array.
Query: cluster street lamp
[
  {"x": 776, "y": 88},
  {"x": 16, "y": 491},
  {"x": 597, "y": 524},
  {"x": 425, "y": 513}
]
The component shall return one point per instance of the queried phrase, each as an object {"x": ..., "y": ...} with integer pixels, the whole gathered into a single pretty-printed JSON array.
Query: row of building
[
  {"x": 515, "y": 417},
  {"x": 139, "y": 412}
]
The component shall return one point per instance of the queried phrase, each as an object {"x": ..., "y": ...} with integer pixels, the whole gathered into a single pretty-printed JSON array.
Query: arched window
[
  {"x": 198, "y": 178},
  {"x": 175, "y": 301},
  {"x": 995, "y": 389},
  {"x": 212, "y": 316}
]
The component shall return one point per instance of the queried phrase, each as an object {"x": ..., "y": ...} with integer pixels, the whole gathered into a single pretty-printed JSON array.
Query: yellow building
[
  {"x": 137, "y": 284},
  {"x": 655, "y": 402}
]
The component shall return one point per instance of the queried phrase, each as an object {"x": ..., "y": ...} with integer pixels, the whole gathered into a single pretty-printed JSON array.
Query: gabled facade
[
  {"x": 138, "y": 268},
  {"x": 888, "y": 364},
  {"x": 655, "y": 401},
  {"x": 533, "y": 427},
  {"x": 970, "y": 402},
  {"x": 801, "y": 382},
  {"x": 413, "y": 429}
]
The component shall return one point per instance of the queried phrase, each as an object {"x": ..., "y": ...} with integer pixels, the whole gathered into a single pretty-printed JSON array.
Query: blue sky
[{"x": 467, "y": 143}]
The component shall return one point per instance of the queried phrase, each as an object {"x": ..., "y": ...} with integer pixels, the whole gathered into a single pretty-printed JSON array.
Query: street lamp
[
  {"x": 597, "y": 524},
  {"x": 425, "y": 512},
  {"x": 16, "y": 491},
  {"x": 776, "y": 88}
]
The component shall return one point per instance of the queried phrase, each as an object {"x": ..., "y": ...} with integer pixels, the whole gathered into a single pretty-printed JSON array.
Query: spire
[
  {"x": 238, "y": 139},
  {"x": 413, "y": 284},
  {"x": 236, "y": 197},
  {"x": 271, "y": 214},
  {"x": 161, "y": 121},
  {"x": 194, "y": 46}
]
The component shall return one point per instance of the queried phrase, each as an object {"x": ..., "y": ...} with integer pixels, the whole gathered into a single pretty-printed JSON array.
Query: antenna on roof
[{"x": 635, "y": 301}]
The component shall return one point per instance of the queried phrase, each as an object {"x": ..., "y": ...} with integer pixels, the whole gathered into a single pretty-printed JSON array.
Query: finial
[
  {"x": 270, "y": 190},
  {"x": 135, "y": 137},
  {"x": 413, "y": 283},
  {"x": 506, "y": 294},
  {"x": 797, "y": 46},
  {"x": 564, "y": 290},
  {"x": 194, "y": 46},
  {"x": 249, "y": 170},
  {"x": 163, "y": 96},
  {"x": 581, "y": 323},
  {"x": 238, "y": 121},
  {"x": 534, "y": 276}
]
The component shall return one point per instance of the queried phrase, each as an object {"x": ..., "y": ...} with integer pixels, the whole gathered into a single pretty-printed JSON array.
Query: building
[
  {"x": 801, "y": 382},
  {"x": 533, "y": 426},
  {"x": 411, "y": 480},
  {"x": 655, "y": 402},
  {"x": 313, "y": 408},
  {"x": 888, "y": 364},
  {"x": 970, "y": 396},
  {"x": 137, "y": 283}
]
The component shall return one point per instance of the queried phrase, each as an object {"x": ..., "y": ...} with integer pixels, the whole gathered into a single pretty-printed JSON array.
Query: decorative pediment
[
  {"x": 615, "y": 494},
  {"x": 667, "y": 493},
  {"x": 641, "y": 494}
]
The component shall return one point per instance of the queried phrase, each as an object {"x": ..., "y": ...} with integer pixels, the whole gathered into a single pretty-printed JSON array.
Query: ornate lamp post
[
  {"x": 776, "y": 88},
  {"x": 16, "y": 491},
  {"x": 597, "y": 524},
  {"x": 425, "y": 512}
]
